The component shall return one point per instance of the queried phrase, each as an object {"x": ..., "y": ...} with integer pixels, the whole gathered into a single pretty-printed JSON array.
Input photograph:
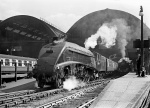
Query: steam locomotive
[{"x": 58, "y": 61}]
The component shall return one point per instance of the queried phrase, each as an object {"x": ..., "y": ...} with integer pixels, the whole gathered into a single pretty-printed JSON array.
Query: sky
[{"x": 64, "y": 13}]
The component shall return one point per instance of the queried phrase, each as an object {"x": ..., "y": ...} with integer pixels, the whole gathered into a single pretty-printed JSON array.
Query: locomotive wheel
[
  {"x": 41, "y": 81},
  {"x": 40, "y": 84},
  {"x": 59, "y": 83}
]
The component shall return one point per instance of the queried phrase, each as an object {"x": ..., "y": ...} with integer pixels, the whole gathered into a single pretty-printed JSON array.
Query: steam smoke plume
[
  {"x": 116, "y": 31},
  {"x": 72, "y": 83},
  {"x": 107, "y": 34}
]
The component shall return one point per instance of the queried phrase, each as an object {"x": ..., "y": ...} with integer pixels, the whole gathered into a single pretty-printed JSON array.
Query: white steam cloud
[
  {"x": 72, "y": 83},
  {"x": 106, "y": 32},
  {"x": 117, "y": 31},
  {"x": 123, "y": 35},
  {"x": 36, "y": 85}
]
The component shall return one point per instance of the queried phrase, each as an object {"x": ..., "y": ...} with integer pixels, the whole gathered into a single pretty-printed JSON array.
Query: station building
[{"x": 24, "y": 35}]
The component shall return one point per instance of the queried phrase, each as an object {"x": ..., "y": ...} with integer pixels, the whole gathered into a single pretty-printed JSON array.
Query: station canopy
[{"x": 24, "y": 35}]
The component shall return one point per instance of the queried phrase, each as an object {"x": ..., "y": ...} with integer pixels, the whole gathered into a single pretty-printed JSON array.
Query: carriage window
[
  {"x": 19, "y": 63},
  {"x": 30, "y": 63},
  {"x": 13, "y": 62},
  {"x": 2, "y": 62},
  {"x": 7, "y": 63},
  {"x": 25, "y": 63}
]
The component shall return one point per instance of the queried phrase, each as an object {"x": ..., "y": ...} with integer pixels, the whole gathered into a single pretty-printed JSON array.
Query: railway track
[
  {"x": 15, "y": 94},
  {"x": 16, "y": 99},
  {"x": 24, "y": 99},
  {"x": 80, "y": 99}
]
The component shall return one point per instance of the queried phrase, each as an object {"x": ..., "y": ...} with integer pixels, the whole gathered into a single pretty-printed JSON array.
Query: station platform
[
  {"x": 21, "y": 84},
  {"x": 128, "y": 91}
]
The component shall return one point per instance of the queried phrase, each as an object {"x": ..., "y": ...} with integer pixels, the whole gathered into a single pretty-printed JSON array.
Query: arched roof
[
  {"x": 24, "y": 35},
  {"x": 31, "y": 27}
]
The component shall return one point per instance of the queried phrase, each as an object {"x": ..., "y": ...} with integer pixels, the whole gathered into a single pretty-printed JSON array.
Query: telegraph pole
[{"x": 142, "y": 42}]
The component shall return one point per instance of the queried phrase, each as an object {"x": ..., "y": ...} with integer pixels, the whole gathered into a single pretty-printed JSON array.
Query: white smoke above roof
[
  {"x": 106, "y": 32},
  {"x": 111, "y": 33}
]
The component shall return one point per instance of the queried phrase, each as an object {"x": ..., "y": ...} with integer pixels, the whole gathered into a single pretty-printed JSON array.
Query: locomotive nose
[{"x": 44, "y": 65}]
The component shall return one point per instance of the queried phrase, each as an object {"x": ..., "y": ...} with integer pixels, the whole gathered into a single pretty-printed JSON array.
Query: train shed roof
[
  {"x": 31, "y": 27},
  {"x": 24, "y": 35}
]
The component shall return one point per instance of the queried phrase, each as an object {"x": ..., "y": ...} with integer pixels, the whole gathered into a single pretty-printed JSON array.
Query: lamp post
[{"x": 142, "y": 42}]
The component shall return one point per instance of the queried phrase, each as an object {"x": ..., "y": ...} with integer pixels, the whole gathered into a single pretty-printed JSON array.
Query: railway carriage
[
  {"x": 101, "y": 63},
  {"x": 57, "y": 61},
  {"x": 23, "y": 64}
]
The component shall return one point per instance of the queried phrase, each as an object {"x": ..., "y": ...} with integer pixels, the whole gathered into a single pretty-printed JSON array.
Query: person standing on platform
[
  {"x": 143, "y": 71},
  {"x": 138, "y": 64}
]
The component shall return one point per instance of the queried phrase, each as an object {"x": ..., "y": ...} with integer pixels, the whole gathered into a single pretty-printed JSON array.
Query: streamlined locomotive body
[{"x": 57, "y": 61}]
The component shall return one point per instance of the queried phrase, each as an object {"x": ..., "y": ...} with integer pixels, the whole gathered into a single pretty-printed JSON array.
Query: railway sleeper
[
  {"x": 41, "y": 95},
  {"x": 10, "y": 104},
  {"x": 19, "y": 102},
  {"x": 20, "y": 94},
  {"x": 26, "y": 100},
  {"x": 45, "y": 94},
  {"x": 10, "y": 99},
  {"x": 34, "y": 97},
  {"x": 2, "y": 106},
  {"x": 51, "y": 93},
  {"x": 7, "y": 100},
  {"x": 2, "y": 97},
  {"x": 38, "y": 97}
]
